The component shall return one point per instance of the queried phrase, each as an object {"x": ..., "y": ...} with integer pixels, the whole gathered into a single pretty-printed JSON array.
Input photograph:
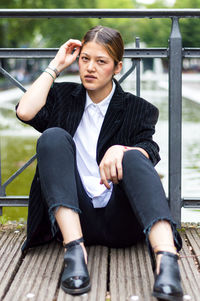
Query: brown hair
[{"x": 109, "y": 38}]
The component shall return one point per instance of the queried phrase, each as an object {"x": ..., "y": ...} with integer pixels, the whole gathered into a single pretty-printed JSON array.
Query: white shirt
[{"x": 86, "y": 138}]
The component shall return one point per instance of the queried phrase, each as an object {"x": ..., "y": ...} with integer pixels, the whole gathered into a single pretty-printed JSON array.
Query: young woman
[{"x": 95, "y": 176}]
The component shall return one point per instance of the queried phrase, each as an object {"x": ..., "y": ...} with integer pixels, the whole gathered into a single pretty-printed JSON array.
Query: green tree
[
  {"x": 190, "y": 28},
  {"x": 125, "y": 26},
  {"x": 53, "y": 32},
  {"x": 154, "y": 32}
]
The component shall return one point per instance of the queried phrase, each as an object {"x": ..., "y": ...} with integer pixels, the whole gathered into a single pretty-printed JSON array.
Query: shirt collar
[{"x": 102, "y": 105}]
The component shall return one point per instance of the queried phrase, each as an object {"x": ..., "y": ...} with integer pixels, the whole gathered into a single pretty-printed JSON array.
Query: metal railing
[{"x": 175, "y": 53}]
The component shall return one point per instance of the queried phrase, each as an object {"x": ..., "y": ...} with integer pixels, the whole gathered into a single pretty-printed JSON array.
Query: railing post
[
  {"x": 2, "y": 189},
  {"x": 137, "y": 44},
  {"x": 175, "y": 119}
]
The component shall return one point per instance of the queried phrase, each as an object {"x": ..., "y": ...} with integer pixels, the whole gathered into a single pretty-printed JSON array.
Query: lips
[{"x": 89, "y": 77}]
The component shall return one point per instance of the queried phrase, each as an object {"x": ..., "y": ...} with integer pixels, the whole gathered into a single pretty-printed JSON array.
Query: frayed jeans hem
[
  {"x": 176, "y": 236},
  {"x": 52, "y": 211}
]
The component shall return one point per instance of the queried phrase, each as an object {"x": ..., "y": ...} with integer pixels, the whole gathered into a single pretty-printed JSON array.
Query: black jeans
[{"x": 136, "y": 203}]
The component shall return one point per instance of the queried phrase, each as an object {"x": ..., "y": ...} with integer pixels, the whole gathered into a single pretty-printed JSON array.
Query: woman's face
[{"x": 96, "y": 69}]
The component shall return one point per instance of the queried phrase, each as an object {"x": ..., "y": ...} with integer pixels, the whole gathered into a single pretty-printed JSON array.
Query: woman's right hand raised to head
[
  {"x": 66, "y": 55},
  {"x": 35, "y": 97}
]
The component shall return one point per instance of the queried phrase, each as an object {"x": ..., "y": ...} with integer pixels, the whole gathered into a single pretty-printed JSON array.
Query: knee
[
  {"x": 136, "y": 164},
  {"x": 53, "y": 138},
  {"x": 133, "y": 157}
]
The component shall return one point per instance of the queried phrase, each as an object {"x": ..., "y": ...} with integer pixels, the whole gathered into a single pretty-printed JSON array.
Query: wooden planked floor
[{"x": 119, "y": 274}]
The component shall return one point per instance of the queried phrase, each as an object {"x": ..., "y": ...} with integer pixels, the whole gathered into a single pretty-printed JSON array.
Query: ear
[{"x": 118, "y": 68}]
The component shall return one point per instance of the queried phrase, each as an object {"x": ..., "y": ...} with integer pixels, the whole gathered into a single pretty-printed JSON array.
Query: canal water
[{"x": 18, "y": 145}]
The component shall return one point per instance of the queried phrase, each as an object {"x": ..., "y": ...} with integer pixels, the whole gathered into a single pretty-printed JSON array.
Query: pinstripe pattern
[{"x": 129, "y": 120}]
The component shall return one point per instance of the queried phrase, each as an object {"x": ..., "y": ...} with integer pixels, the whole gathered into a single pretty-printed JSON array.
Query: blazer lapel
[{"x": 76, "y": 109}]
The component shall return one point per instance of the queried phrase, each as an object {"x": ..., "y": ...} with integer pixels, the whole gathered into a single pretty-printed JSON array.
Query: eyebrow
[{"x": 100, "y": 56}]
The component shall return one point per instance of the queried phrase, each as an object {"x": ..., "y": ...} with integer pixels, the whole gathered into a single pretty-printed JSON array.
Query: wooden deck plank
[
  {"x": 38, "y": 275},
  {"x": 189, "y": 273},
  {"x": 194, "y": 240},
  {"x": 97, "y": 266},
  {"x": 10, "y": 258},
  {"x": 130, "y": 274},
  {"x": 186, "y": 272}
]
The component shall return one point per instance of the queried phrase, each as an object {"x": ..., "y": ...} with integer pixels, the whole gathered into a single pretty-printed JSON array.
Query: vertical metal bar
[
  {"x": 0, "y": 163},
  {"x": 2, "y": 191},
  {"x": 137, "y": 44},
  {"x": 175, "y": 119}
]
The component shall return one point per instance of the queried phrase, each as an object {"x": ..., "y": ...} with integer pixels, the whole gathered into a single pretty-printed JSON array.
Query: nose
[{"x": 91, "y": 66}]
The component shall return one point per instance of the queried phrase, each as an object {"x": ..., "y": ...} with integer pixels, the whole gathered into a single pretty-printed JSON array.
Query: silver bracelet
[{"x": 55, "y": 70}]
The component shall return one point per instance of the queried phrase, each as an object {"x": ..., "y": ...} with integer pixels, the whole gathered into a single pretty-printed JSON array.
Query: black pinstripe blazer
[{"x": 129, "y": 120}]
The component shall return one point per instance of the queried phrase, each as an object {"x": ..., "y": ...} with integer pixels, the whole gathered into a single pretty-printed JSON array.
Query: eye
[
  {"x": 84, "y": 58},
  {"x": 101, "y": 62}
]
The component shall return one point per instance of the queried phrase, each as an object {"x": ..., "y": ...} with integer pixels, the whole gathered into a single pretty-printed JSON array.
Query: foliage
[
  {"x": 190, "y": 28},
  {"x": 121, "y": 24},
  {"x": 156, "y": 32},
  {"x": 53, "y": 32},
  {"x": 3, "y": 219}
]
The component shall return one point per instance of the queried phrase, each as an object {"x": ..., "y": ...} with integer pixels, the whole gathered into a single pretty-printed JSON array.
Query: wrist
[
  {"x": 55, "y": 70},
  {"x": 125, "y": 148},
  {"x": 55, "y": 65}
]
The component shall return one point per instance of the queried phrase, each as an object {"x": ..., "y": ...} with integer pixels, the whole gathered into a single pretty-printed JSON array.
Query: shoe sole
[
  {"x": 163, "y": 297},
  {"x": 78, "y": 291}
]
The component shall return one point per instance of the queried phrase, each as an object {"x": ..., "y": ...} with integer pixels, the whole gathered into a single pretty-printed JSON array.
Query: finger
[
  {"x": 105, "y": 182},
  {"x": 76, "y": 52},
  {"x": 113, "y": 173},
  {"x": 70, "y": 48},
  {"x": 75, "y": 41},
  {"x": 119, "y": 171},
  {"x": 73, "y": 50},
  {"x": 72, "y": 43},
  {"x": 107, "y": 170},
  {"x": 103, "y": 178}
]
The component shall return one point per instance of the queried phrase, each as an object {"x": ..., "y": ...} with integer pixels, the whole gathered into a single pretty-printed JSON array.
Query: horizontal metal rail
[
  {"x": 18, "y": 53},
  {"x": 51, "y": 52},
  {"x": 99, "y": 13},
  {"x": 22, "y": 201},
  {"x": 191, "y": 52},
  {"x": 191, "y": 202},
  {"x": 14, "y": 201}
]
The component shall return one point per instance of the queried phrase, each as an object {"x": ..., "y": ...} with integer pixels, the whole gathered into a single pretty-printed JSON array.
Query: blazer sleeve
[
  {"x": 41, "y": 119},
  {"x": 145, "y": 131}
]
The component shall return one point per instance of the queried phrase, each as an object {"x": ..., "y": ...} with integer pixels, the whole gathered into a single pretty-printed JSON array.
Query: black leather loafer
[
  {"x": 75, "y": 279},
  {"x": 167, "y": 284}
]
